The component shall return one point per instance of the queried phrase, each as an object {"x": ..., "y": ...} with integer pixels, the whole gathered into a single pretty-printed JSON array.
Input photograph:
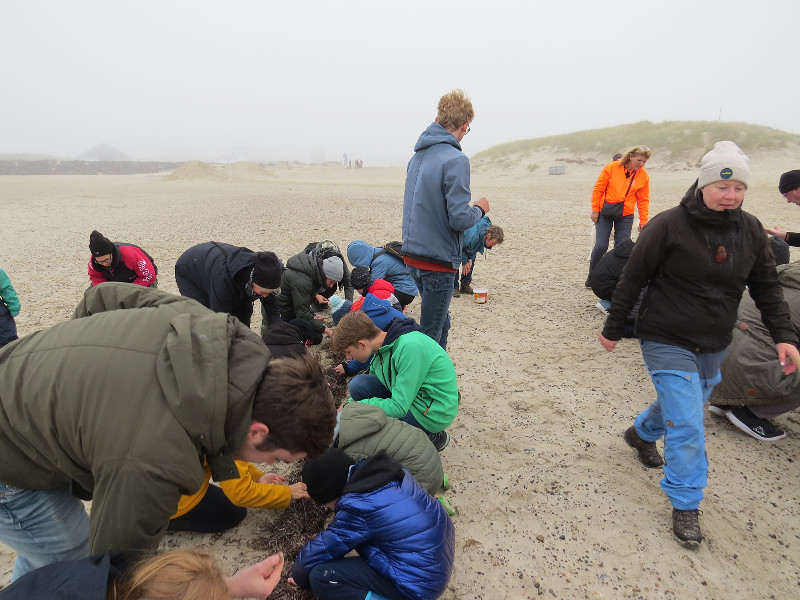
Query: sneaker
[
  {"x": 720, "y": 410},
  {"x": 761, "y": 429},
  {"x": 445, "y": 481},
  {"x": 441, "y": 440},
  {"x": 686, "y": 528},
  {"x": 456, "y": 293},
  {"x": 449, "y": 509},
  {"x": 466, "y": 289},
  {"x": 602, "y": 308},
  {"x": 647, "y": 453}
]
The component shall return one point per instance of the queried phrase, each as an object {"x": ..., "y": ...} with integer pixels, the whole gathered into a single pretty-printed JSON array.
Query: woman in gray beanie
[{"x": 695, "y": 260}]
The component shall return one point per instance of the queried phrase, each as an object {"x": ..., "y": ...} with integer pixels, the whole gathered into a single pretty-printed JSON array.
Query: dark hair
[
  {"x": 295, "y": 401},
  {"x": 353, "y": 327}
]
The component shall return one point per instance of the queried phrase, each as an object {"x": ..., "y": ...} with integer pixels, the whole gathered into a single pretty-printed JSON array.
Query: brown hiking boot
[
  {"x": 648, "y": 455},
  {"x": 456, "y": 293},
  {"x": 686, "y": 528},
  {"x": 466, "y": 289}
]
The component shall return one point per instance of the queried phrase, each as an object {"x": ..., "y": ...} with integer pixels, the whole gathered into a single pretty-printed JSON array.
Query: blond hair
[
  {"x": 177, "y": 575},
  {"x": 635, "y": 151},
  {"x": 495, "y": 232},
  {"x": 455, "y": 109},
  {"x": 353, "y": 327}
]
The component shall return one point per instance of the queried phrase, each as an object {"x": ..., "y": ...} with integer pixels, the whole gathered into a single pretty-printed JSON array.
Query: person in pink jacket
[{"x": 118, "y": 261}]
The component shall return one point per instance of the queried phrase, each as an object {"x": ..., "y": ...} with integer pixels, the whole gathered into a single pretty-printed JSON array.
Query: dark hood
[
  {"x": 373, "y": 473},
  {"x": 397, "y": 327},
  {"x": 693, "y": 203},
  {"x": 624, "y": 248}
]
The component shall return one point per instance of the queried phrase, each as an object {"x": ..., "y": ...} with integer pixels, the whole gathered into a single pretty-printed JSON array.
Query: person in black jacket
[
  {"x": 603, "y": 280},
  {"x": 229, "y": 279},
  {"x": 696, "y": 260},
  {"x": 789, "y": 187}
]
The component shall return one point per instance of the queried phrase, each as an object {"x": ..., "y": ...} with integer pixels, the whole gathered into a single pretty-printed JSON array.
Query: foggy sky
[{"x": 309, "y": 80}]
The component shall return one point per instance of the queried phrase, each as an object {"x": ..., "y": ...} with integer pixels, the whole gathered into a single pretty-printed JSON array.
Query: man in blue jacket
[
  {"x": 481, "y": 236},
  {"x": 437, "y": 211}
]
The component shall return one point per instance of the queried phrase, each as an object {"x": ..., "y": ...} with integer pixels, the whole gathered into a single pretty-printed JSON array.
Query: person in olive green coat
[
  {"x": 124, "y": 403},
  {"x": 365, "y": 430}
]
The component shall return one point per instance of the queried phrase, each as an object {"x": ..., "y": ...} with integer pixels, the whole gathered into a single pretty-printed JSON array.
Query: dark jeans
[
  {"x": 350, "y": 579},
  {"x": 435, "y": 292},
  {"x": 214, "y": 513},
  {"x": 602, "y": 229}
]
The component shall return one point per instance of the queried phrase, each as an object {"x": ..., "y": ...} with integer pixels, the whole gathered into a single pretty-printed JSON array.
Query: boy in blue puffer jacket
[{"x": 405, "y": 540}]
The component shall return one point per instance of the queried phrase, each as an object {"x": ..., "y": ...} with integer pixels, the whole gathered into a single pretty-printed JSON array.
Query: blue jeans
[
  {"x": 8, "y": 327},
  {"x": 350, "y": 578},
  {"x": 602, "y": 230},
  {"x": 683, "y": 381},
  {"x": 435, "y": 292},
  {"x": 42, "y": 526}
]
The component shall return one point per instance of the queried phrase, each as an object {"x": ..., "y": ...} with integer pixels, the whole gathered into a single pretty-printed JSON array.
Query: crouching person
[
  {"x": 411, "y": 378},
  {"x": 404, "y": 537}
]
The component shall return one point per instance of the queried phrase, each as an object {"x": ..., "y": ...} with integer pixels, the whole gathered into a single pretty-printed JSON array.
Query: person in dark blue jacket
[
  {"x": 384, "y": 265},
  {"x": 229, "y": 279},
  {"x": 404, "y": 537},
  {"x": 437, "y": 211}
]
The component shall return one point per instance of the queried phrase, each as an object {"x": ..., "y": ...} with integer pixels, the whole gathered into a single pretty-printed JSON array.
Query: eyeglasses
[
  {"x": 467, "y": 131},
  {"x": 105, "y": 262}
]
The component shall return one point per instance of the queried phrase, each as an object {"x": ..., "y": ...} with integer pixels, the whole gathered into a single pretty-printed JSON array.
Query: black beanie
[
  {"x": 100, "y": 245},
  {"x": 360, "y": 278},
  {"x": 326, "y": 476},
  {"x": 789, "y": 181},
  {"x": 267, "y": 270}
]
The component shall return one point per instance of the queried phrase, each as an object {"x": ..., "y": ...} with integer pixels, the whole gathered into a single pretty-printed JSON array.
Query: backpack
[{"x": 394, "y": 248}]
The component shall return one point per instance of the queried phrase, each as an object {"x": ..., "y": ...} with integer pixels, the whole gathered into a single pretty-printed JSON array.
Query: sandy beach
[{"x": 550, "y": 500}]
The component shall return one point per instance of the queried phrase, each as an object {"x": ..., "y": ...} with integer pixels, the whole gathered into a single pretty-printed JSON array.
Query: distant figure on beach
[
  {"x": 229, "y": 279},
  {"x": 789, "y": 187},
  {"x": 696, "y": 260},
  {"x": 117, "y": 261},
  {"x": 9, "y": 308},
  {"x": 481, "y": 236},
  {"x": 621, "y": 188},
  {"x": 437, "y": 211}
]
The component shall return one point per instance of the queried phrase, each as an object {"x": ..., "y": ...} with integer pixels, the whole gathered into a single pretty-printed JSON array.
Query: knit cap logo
[{"x": 726, "y": 173}]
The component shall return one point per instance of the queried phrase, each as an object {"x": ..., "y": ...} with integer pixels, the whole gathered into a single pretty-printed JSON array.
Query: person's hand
[
  {"x": 595, "y": 216},
  {"x": 299, "y": 490},
  {"x": 322, "y": 299},
  {"x": 320, "y": 317},
  {"x": 339, "y": 369},
  {"x": 328, "y": 331},
  {"x": 788, "y": 351},
  {"x": 258, "y": 580},
  {"x": 484, "y": 204},
  {"x": 641, "y": 226},
  {"x": 271, "y": 478},
  {"x": 776, "y": 230},
  {"x": 467, "y": 267},
  {"x": 609, "y": 345}
]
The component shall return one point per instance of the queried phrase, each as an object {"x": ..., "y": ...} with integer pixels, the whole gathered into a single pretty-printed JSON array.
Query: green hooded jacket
[
  {"x": 122, "y": 406},
  {"x": 365, "y": 430}
]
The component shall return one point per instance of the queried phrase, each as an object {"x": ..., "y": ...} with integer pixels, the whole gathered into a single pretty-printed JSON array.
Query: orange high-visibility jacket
[{"x": 612, "y": 185}]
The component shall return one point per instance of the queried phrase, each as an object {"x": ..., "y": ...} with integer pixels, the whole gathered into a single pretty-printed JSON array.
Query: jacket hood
[
  {"x": 302, "y": 262},
  {"x": 359, "y": 420},
  {"x": 624, "y": 248},
  {"x": 236, "y": 258},
  {"x": 381, "y": 287},
  {"x": 692, "y": 201},
  {"x": 398, "y": 327},
  {"x": 373, "y": 473},
  {"x": 435, "y": 134},
  {"x": 360, "y": 254}
]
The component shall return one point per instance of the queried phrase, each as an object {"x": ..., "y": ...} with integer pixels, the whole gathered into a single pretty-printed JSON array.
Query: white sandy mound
[
  {"x": 196, "y": 170},
  {"x": 246, "y": 170}
]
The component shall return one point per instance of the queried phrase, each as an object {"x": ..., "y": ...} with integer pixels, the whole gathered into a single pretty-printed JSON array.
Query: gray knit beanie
[
  {"x": 333, "y": 268},
  {"x": 726, "y": 161}
]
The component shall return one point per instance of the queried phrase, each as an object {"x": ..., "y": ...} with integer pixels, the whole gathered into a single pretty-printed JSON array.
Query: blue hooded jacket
[
  {"x": 475, "y": 240},
  {"x": 397, "y": 527},
  {"x": 436, "y": 209},
  {"x": 384, "y": 266}
]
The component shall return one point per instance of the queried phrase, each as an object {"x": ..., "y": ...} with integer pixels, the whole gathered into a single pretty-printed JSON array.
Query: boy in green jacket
[
  {"x": 411, "y": 377},
  {"x": 9, "y": 308}
]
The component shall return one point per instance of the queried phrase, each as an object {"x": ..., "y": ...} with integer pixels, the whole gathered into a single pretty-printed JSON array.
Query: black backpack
[{"x": 394, "y": 248}]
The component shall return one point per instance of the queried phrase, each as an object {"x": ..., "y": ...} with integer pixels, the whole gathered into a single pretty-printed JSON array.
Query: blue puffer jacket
[
  {"x": 384, "y": 266},
  {"x": 475, "y": 240},
  {"x": 436, "y": 209},
  {"x": 398, "y": 528}
]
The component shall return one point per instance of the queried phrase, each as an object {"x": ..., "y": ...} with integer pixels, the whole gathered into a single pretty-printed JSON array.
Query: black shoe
[
  {"x": 648, "y": 455},
  {"x": 441, "y": 440},
  {"x": 720, "y": 410},
  {"x": 686, "y": 528},
  {"x": 761, "y": 429}
]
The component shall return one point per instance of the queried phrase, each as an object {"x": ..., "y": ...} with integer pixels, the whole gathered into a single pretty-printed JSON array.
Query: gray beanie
[
  {"x": 726, "y": 161},
  {"x": 333, "y": 268}
]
